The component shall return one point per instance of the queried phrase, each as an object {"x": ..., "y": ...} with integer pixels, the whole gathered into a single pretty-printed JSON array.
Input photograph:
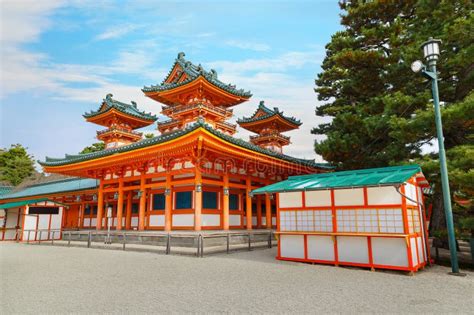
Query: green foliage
[
  {"x": 15, "y": 164},
  {"x": 98, "y": 146},
  {"x": 382, "y": 112}
]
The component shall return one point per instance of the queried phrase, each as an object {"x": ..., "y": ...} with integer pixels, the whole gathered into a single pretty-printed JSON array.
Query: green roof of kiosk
[{"x": 385, "y": 176}]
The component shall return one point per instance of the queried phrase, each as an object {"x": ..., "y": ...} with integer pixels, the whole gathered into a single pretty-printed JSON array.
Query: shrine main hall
[{"x": 195, "y": 175}]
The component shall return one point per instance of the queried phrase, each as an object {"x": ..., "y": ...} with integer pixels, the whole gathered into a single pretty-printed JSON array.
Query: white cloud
[
  {"x": 287, "y": 61},
  {"x": 116, "y": 31},
  {"x": 271, "y": 80},
  {"x": 23, "y": 21},
  {"x": 248, "y": 45}
]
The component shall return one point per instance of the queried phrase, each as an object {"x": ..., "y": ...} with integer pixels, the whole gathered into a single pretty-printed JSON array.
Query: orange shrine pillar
[
  {"x": 259, "y": 212},
  {"x": 197, "y": 199},
  {"x": 100, "y": 205},
  {"x": 128, "y": 216},
  {"x": 248, "y": 205},
  {"x": 225, "y": 203},
  {"x": 120, "y": 204},
  {"x": 168, "y": 203},
  {"x": 141, "y": 211},
  {"x": 81, "y": 213},
  {"x": 268, "y": 211}
]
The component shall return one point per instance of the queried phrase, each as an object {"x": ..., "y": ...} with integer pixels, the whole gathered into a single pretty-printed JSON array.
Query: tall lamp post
[{"x": 431, "y": 54}]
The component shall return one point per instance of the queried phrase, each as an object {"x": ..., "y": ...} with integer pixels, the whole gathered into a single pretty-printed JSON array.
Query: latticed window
[
  {"x": 370, "y": 221},
  {"x": 413, "y": 220}
]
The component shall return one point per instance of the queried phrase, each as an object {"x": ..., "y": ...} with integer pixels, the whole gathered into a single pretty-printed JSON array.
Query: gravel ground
[{"x": 48, "y": 279}]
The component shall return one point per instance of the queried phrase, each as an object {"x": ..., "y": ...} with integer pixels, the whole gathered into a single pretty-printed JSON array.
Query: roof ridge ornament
[
  {"x": 109, "y": 96},
  {"x": 181, "y": 55}
]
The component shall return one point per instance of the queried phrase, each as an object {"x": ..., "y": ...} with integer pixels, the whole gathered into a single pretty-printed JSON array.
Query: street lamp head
[
  {"x": 431, "y": 49},
  {"x": 416, "y": 66}
]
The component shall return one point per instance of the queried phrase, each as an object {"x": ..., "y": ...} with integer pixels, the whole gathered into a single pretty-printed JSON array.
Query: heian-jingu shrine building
[{"x": 195, "y": 175}]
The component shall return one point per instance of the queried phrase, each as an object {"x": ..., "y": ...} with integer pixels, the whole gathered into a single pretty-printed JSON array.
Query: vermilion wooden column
[
  {"x": 128, "y": 216},
  {"x": 168, "y": 203},
  {"x": 141, "y": 211},
  {"x": 197, "y": 199},
  {"x": 120, "y": 204},
  {"x": 81, "y": 214},
  {"x": 100, "y": 205},
  {"x": 259, "y": 212},
  {"x": 225, "y": 203},
  {"x": 268, "y": 211},
  {"x": 248, "y": 205}
]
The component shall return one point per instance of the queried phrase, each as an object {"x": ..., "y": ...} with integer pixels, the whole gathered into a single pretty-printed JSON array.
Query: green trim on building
[
  {"x": 126, "y": 109},
  {"x": 385, "y": 176},
  {"x": 71, "y": 159},
  {"x": 193, "y": 72},
  {"x": 65, "y": 185},
  {"x": 269, "y": 113}
]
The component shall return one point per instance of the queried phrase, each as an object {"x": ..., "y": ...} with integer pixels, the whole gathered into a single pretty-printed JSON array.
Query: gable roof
[
  {"x": 71, "y": 159},
  {"x": 65, "y": 185},
  {"x": 109, "y": 103},
  {"x": 193, "y": 72},
  {"x": 384, "y": 176},
  {"x": 268, "y": 113}
]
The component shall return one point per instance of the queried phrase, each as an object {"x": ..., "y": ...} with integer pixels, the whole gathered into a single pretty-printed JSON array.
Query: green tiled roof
[
  {"x": 5, "y": 189},
  {"x": 127, "y": 109},
  {"x": 193, "y": 72},
  {"x": 21, "y": 203},
  {"x": 70, "y": 159},
  {"x": 268, "y": 113},
  {"x": 384, "y": 176},
  {"x": 65, "y": 185}
]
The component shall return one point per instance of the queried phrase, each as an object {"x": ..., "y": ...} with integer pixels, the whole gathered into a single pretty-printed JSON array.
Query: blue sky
[{"x": 60, "y": 58}]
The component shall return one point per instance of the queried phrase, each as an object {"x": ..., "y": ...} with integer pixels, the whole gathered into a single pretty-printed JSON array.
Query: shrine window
[
  {"x": 209, "y": 200},
  {"x": 87, "y": 210},
  {"x": 135, "y": 208},
  {"x": 158, "y": 201},
  {"x": 233, "y": 202},
  {"x": 184, "y": 200}
]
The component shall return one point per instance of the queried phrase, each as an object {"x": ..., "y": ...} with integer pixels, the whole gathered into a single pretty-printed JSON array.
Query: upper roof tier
[
  {"x": 265, "y": 117},
  {"x": 187, "y": 82},
  {"x": 111, "y": 109}
]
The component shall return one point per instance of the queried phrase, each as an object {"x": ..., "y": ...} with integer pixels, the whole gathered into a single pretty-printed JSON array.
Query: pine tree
[
  {"x": 15, "y": 164},
  {"x": 382, "y": 111}
]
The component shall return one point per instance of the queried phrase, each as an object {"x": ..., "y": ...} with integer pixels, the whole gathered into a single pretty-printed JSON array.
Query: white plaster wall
[
  {"x": 254, "y": 220},
  {"x": 11, "y": 222},
  {"x": 410, "y": 191},
  {"x": 93, "y": 222},
  {"x": 349, "y": 197},
  {"x": 274, "y": 221},
  {"x": 234, "y": 219},
  {"x": 352, "y": 249},
  {"x": 414, "y": 256},
  {"x": 420, "y": 249},
  {"x": 87, "y": 222},
  {"x": 320, "y": 248},
  {"x": 43, "y": 221},
  {"x": 29, "y": 224},
  {"x": 157, "y": 220},
  {"x": 183, "y": 219},
  {"x": 134, "y": 221},
  {"x": 389, "y": 251},
  {"x": 210, "y": 220},
  {"x": 383, "y": 196},
  {"x": 264, "y": 221},
  {"x": 292, "y": 246},
  {"x": 290, "y": 199},
  {"x": 12, "y": 218},
  {"x": 318, "y": 198}
]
